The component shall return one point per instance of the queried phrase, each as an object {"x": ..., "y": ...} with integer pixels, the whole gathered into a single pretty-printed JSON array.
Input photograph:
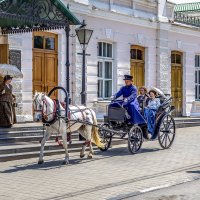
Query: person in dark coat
[
  {"x": 143, "y": 98},
  {"x": 7, "y": 112},
  {"x": 129, "y": 102}
]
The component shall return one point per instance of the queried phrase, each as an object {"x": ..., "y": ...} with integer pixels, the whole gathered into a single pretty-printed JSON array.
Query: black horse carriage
[{"x": 115, "y": 124}]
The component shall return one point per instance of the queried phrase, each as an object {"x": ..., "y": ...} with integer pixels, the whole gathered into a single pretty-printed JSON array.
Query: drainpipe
[{"x": 67, "y": 30}]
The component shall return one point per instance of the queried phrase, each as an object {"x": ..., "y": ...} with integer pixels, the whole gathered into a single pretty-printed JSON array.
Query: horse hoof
[
  {"x": 40, "y": 162},
  {"x": 82, "y": 155},
  {"x": 89, "y": 157}
]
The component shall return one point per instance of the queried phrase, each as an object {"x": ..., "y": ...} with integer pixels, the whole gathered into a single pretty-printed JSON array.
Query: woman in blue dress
[{"x": 151, "y": 110}]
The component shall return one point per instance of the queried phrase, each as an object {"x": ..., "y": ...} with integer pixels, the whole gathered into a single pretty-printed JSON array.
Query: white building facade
[
  {"x": 169, "y": 50},
  {"x": 138, "y": 37}
]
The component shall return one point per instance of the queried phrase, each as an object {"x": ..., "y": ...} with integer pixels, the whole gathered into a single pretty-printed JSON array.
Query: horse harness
[{"x": 56, "y": 114}]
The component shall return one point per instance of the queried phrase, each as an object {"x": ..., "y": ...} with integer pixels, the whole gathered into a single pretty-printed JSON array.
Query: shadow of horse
[{"x": 57, "y": 163}]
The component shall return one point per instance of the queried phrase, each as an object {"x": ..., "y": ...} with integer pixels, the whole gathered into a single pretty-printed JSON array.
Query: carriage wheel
[
  {"x": 106, "y": 136},
  {"x": 135, "y": 139},
  {"x": 167, "y": 131}
]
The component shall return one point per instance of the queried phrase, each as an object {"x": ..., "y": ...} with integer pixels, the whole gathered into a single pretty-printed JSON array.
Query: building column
[
  {"x": 188, "y": 82},
  {"x": 163, "y": 60}
]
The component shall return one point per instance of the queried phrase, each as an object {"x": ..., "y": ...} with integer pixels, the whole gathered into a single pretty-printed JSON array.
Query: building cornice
[
  {"x": 111, "y": 15},
  {"x": 185, "y": 29}
]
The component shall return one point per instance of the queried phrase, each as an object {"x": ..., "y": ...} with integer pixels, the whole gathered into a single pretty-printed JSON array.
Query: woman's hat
[
  {"x": 128, "y": 77},
  {"x": 154, "y": 91},
  {"x": 144, "y": 88},
  {"x": 7, "y": 77}
]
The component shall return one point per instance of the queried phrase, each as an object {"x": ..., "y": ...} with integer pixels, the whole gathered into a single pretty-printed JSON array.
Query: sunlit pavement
[{"x": 115, "y": 174}]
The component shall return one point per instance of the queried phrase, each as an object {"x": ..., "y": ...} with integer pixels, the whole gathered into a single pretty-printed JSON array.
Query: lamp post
[{"x": 84, "y": 36}]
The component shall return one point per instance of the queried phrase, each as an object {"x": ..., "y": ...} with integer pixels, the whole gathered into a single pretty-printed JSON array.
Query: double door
[
  {"x": 176, "y": 89},
  {"x": 45, "y": 62},
  {"x": 137, "y": 55},
  {"x": 45, "y": 72},
  {"x": 137, "y": 71}
]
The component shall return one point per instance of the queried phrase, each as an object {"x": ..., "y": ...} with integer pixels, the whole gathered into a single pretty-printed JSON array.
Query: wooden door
[
  {"x": 176, "y": 82},
  {"x": 138, "y": 65},
  {"x": 4, "y": 53},
  {"x": 45, "y": 62},
  {"x": 137, "y": 71},
  {"x": 38, "y": 72},
  {"x": 51, "y": 73}
]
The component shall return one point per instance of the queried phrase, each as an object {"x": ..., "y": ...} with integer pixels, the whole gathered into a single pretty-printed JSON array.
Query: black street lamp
[{"x": 84, "y": 36}]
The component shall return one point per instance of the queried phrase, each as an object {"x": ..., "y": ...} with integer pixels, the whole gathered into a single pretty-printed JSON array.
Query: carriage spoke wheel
[
  {"x": 135, "y": 139},
  {"x": 106, "y": 136},
  {"x": 166, "y": 132}
]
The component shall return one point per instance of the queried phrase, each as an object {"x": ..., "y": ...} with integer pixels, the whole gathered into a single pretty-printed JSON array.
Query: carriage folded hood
[{"x": 158, "y": 91}]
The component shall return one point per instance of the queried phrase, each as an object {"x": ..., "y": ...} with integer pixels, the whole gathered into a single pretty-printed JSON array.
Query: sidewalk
[{"x": 114, "y": 174}]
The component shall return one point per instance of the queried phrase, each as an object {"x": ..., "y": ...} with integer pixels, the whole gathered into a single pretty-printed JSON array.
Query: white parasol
[
  {"x": 11, "y": 70},
  {"x": 158, "y": 91}
]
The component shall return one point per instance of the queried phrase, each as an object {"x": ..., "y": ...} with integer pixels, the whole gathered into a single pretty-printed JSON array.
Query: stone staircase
[
  {"x": 23, "y": 140},
  {"x": 183, "y": 122}
]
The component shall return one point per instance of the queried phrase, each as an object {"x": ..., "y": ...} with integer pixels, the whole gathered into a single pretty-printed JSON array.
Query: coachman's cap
[
  {"x": 128, "y": 77},
  {"x": 7, "y": 77}
]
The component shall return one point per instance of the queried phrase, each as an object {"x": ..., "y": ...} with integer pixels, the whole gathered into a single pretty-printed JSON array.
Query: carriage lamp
[{"x": 84, "y": 36}]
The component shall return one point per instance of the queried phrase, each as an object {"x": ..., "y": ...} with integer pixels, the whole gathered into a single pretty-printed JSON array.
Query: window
[
  {"x": 105, "y": 49},
  {"x": 47, "y": 42},
  {"x": 136, "y": 54},
  {"x": 176, "y": 58},
  {"x": 197, "y": 77},
  {"x": 50, "y": 43},
  {"x": 105, "y": 70},
  {"x": 38, "y": 42}
]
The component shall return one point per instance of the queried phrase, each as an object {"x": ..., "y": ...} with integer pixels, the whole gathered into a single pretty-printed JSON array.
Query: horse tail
[{"x": 95, "y": 135}]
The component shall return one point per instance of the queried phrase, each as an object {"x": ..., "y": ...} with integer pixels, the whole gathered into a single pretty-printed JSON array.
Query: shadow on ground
[
  {"x": 57, "y": 163},
  {"x": 194, "y": 172}
]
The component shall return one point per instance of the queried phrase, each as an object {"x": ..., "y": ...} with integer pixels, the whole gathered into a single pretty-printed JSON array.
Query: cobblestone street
[{"x": 114, "y": 174}]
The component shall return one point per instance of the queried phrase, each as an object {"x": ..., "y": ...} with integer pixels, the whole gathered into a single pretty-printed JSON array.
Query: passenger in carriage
[
  {"x": 143, "y": 98},
  {"x": 129, "y": 102},
  {"x": 151, "y": 110}
]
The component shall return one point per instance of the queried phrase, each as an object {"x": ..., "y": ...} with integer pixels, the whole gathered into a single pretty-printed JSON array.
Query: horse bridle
[{"x": 41, "y": 105}]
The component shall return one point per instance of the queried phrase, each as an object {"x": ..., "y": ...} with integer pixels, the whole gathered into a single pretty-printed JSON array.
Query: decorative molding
[
  {"x": 108, "y": 33},
  {"x": 140, "y": 39},
  {"x": 179, "y": 44},
  {"x": 15, "y": 58}
]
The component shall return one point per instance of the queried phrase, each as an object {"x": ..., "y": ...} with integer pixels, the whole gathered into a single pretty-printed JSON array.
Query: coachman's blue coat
[{"x": 131, "y": 105}]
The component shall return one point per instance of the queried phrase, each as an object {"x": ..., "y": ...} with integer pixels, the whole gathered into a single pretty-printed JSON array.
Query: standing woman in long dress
[{"x": 7, "y": 112}]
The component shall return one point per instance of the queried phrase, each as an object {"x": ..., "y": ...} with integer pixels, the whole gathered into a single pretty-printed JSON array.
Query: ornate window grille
[{"x": 34, "y": 15}]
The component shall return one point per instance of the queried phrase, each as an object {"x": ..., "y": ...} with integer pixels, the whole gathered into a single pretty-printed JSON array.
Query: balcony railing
[{"x": 186, "y": 19}]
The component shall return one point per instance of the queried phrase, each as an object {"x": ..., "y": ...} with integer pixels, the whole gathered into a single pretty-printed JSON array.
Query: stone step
[
  {"x": 185, "y": 124},
  {"x": 27, "y": 155},
  {"x": 26, "y": 133},
  {"x": 30, "y": 138},
  {"x": 20, "y": 133},
  {"x": 22, "y": 127},
  {"x": 50, "y": 145},
  {"x": 30, "y": 151},
  {"x": 28, "y": 147}
]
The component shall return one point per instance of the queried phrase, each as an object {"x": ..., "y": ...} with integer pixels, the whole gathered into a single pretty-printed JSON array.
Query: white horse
[{"x": 45, "y": 108}]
